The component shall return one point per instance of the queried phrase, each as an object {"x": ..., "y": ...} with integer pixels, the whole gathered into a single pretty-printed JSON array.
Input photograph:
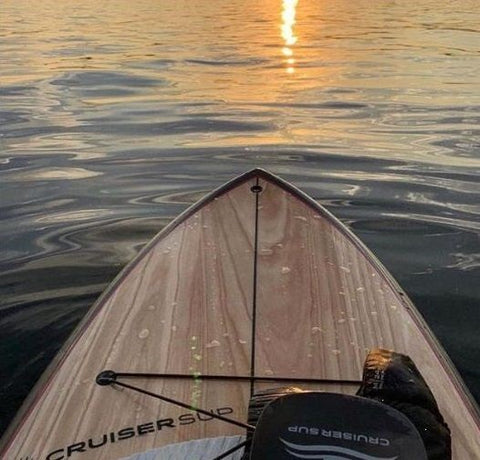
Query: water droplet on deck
[
  {"x": 341, "y": 321},
  {"x": 144, "y": 333},
  {"x": 360, "y": 289},
  {"x": 302, "y": 218},
  {"x": 242, "y": 342},
  {"x": 335, "y": 351},
  {"x": 345, "y": 269},
  {"x": 197, "y": 357},
  {"x": 268, "y": 372},
  {"x": 213, "y": 344},
  {"x": 316, "y": 329},
  {"x": 374, "y": 313},
  {"x": 266, "y": 252},
  {"x": 285, "y": 270},
  {"x": 151, "y": 307},
  {"x": 174, "y": 328}
]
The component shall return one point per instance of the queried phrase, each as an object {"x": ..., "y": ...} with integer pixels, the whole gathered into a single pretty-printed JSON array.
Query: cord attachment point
[{"x": 106, "y": 378}]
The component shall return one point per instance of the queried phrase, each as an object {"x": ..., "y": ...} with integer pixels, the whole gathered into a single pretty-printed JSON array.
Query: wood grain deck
[{"x": 243, "y": 283}]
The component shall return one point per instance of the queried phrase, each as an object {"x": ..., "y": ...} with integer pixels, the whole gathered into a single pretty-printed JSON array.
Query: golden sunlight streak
[{"x": 288, "y": 21}]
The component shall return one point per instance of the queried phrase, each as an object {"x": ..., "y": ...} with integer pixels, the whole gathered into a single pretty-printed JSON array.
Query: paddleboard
[{"x": 253, "y": 287}]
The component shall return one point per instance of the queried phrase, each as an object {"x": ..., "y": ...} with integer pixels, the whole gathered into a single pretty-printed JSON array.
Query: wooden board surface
[{"x": 262, "y": 283}]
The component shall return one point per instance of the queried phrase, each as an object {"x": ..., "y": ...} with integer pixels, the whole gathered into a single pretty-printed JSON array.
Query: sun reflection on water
[{"x": 288, "y": 35}]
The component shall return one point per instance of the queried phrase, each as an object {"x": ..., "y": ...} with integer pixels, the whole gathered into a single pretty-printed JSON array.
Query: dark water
[{"x": 115, "y": 116}]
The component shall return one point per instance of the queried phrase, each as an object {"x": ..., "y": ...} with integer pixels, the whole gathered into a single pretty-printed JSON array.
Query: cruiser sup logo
[
  {"x": 324, "y": 452},
  {"x": 88, "y": 446},
  {"x": 330, "y": 426}
]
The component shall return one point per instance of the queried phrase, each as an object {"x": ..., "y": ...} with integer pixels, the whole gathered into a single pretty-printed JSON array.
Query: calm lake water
[{"x": 116, "y": 115}]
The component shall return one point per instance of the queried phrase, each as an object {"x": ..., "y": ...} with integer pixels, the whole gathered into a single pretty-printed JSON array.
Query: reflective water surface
[{"x": 115, "y": 116}]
